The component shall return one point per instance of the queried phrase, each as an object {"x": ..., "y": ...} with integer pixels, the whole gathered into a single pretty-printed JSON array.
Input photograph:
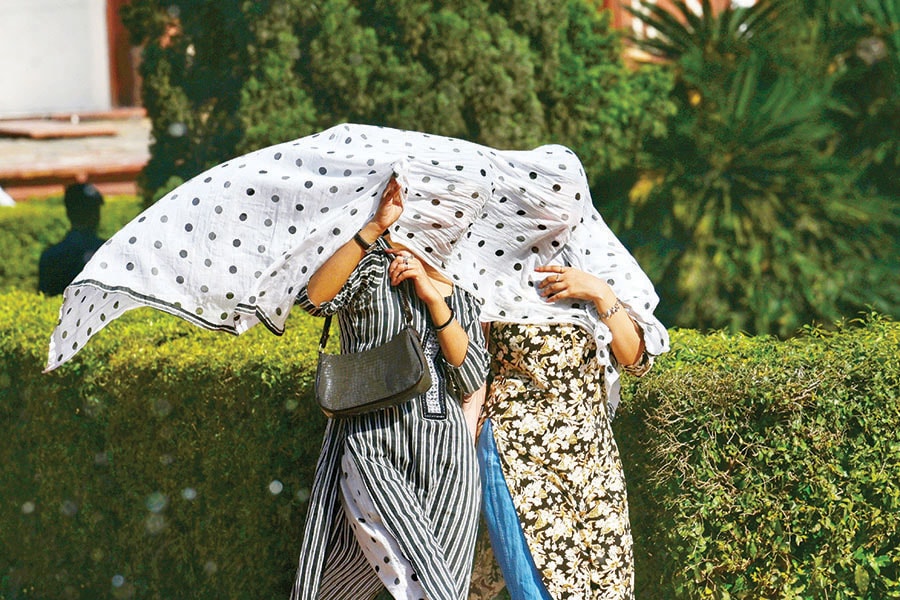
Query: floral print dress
[{"x": 547, "y": 407}]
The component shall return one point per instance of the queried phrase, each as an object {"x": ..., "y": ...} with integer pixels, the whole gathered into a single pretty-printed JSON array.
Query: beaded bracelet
[
  {"x": 611, "y": 311},
  {"x": 447, "y": 323}
]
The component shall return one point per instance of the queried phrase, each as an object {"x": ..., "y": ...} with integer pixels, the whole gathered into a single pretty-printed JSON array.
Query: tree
[
  {"x": 223, "y": 77},
  {"x": 764, "y": 225},
  {"x": 861, "y": 40}
]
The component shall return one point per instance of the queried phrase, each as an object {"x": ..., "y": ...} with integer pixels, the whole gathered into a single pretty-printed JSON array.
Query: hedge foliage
[
  {"x": 766, "y": 469},
  {"x": 164, "y": 462},
  {"x": 169, "y": 462},
  {"x": 29, "y": 227}
]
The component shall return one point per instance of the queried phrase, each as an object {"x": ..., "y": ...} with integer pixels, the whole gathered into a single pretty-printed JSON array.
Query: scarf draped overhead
[{"x": 231, "y": 247}]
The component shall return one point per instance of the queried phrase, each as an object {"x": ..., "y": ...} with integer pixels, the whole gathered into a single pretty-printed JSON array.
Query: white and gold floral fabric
[{"x": 548, "y": 410}]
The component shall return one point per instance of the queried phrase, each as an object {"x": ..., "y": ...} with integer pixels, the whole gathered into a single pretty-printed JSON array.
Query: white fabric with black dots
[{"x": 231, "y": 247}]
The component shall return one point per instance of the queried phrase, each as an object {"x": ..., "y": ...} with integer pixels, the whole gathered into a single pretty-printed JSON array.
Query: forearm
[
  {"x": 453, "y": 339},
  {"x": 328, "y": 279},
  {"x": 627, "y": 339},
  {"x": 468, "y": 377}
]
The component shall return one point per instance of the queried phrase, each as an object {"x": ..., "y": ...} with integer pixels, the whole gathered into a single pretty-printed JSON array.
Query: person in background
[{"x": 61, "y": 263}]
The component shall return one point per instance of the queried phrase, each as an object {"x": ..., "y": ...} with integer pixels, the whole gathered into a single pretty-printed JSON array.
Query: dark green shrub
[
  {"x": 861, "y": 42},
  {"x": 766, "y": 469},
  {"x": 165, "y": 461},
  {"x": 29, "y": 227},
  {"x": 751, "y": 219}
]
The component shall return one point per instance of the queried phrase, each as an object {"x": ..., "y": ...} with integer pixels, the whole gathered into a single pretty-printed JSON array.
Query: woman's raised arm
[{"x": 328, "y": 279}]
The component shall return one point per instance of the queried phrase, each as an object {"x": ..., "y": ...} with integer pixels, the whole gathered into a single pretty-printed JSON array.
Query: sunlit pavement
[{"x": 108, "y": 150}]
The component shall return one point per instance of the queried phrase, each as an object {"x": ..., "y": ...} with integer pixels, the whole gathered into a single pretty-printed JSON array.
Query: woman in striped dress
[{"x": 396, "y": 495}]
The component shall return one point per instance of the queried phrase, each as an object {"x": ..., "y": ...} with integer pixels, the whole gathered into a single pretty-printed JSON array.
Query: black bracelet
[
  {"x": 366, "y": 246},
  {"x": 447, "y": 323}
]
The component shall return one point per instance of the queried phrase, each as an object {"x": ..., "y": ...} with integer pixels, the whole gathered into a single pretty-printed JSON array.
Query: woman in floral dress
[{"x": 553, "y": 486}]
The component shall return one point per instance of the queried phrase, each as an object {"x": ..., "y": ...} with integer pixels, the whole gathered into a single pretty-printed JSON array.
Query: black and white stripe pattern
[
  {"x": 378, "y": 545},
  {"x": 420, "y": 473}
]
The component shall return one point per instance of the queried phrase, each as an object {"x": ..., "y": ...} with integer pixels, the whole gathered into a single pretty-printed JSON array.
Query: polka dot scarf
[
  {"x": 231, "y": 247},
  {"x": 592, "y": 247}
]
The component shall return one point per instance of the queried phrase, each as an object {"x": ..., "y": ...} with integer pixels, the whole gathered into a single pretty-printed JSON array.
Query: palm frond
[
  {"x": 680, "y": 30},
  {"x": 673, "y": 38}
]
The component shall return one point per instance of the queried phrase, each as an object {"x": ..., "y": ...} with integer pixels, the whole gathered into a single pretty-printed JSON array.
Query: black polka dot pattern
[
  {"x": 379, "y": 546},
  {"x": 542, "y": 214},
  {"x": 231, "y": 247}
]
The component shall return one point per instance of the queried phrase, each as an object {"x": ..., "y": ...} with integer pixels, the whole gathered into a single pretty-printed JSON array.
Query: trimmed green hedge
[
  {"x": 169, "y": 462},
  {"x": 29, "y": 227},
  {"x": 767, "y": 469},
  {"x": 163, "y": 462}
]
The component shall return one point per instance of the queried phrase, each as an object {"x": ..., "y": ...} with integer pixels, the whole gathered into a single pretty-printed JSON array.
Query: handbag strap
[{"x": 407, "y": 314}]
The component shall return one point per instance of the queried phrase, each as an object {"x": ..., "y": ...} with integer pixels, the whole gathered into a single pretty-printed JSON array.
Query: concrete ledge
[
  {"x": 47, "y": 130},
  {"x": 107, "y": 149},
  {"x": 109, "y": 178},
  {"x": 127, "y": 112}
]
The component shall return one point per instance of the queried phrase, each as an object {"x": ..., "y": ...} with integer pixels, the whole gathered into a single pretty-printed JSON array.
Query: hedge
[
  {"x": 27, "y": 228},
  {"x": 767, "y": 469},
  {"x": 169, "y": 462},
  {"x": 163, "y": 462}
]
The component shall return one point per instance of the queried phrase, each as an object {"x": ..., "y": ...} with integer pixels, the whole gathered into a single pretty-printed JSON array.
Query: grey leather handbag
[{"x": 359, "y": 382}]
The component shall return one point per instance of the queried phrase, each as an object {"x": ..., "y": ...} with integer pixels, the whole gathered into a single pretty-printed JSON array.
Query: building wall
[
  {"x": 73, "y": 56},
  {"x": 54, "y": 57}
]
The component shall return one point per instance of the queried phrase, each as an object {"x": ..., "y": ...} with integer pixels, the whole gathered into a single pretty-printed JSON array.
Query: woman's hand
[
  {"x": 327, "y": 281},
  {"x": 453, "y": 339},
  {"x": 406, "y": 266},
  {"x": 391, "y": 206},
  {"x": 568, "y": 282}
]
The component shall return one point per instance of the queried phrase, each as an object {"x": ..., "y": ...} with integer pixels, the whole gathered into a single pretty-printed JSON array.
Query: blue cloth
[{"x": 523, "y": 582}]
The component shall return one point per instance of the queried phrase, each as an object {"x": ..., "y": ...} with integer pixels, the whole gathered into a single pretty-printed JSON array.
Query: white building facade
[{"x": 61, "y": 57}]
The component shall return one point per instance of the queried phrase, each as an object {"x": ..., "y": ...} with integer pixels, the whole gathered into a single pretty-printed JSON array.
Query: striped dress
[{"x": 396, "y": 493}]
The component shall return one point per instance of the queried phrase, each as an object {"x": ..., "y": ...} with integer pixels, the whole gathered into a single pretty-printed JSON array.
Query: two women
[
  {"x": 233, "y": 247},
  {"x": 554, "y": 490}
]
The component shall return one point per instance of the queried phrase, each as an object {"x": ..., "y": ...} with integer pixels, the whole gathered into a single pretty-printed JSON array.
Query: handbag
[{"x": 355, "y": 383}]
